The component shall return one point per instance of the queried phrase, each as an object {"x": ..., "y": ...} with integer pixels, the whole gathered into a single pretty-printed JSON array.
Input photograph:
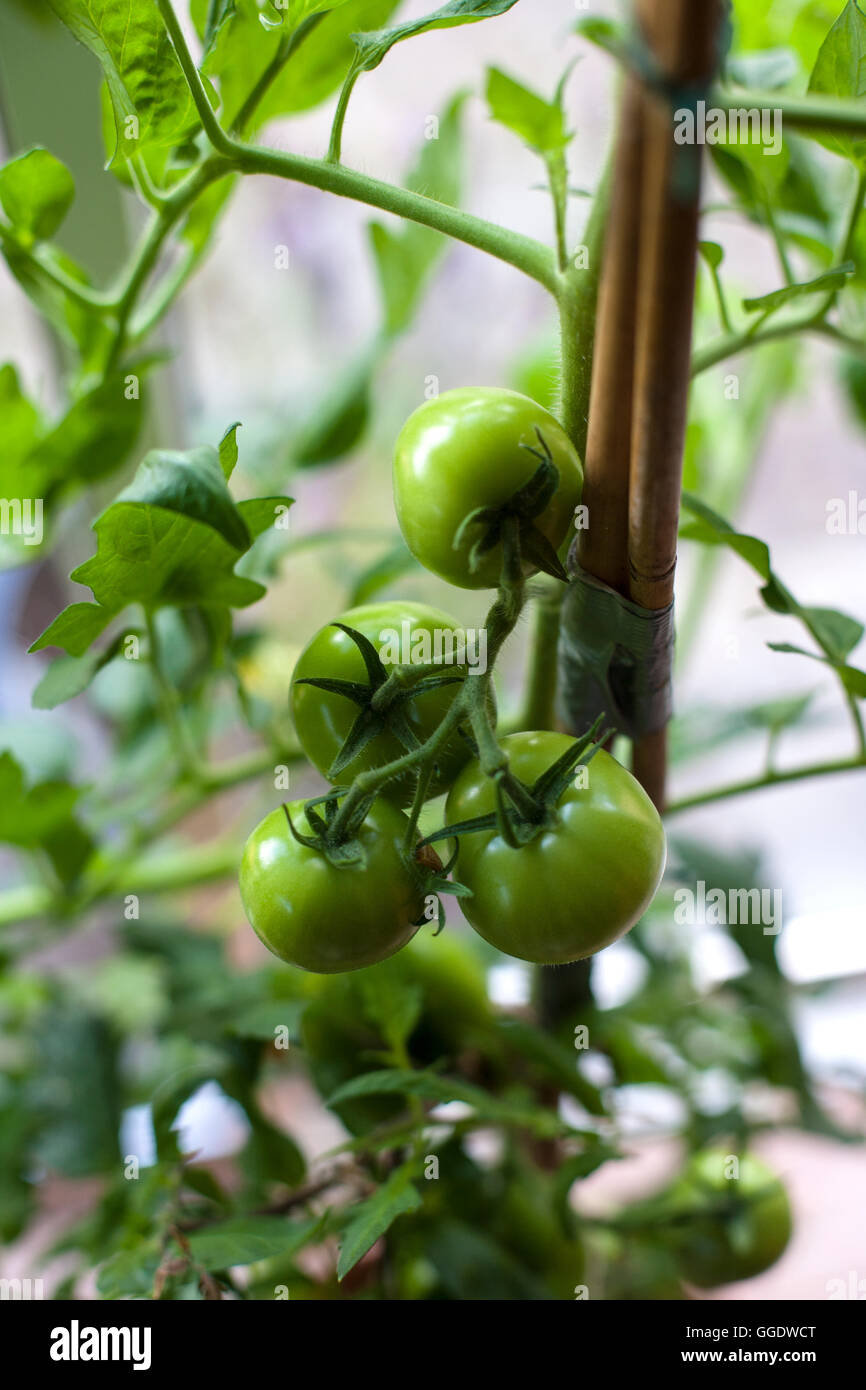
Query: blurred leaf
[
  {"x": 393, "y": 1006},
  {"x": 442, "y": 1089},
  {"x": 130, "y": 1273},
  {"x": 852, "y": 677},
  {"x": 339, "y": 421},
  {"x": 769, "y": 70},
  {"x": 228, "y": 450},
  {"x": 151, "y": 100},
  {"x": 36, "y": 192},
  {"x": 371, "y": 1219},
  {"x": 74, "y": 629},
  {"x": 68, "y": 676},
  {"x": 476, "y": 1268},
  {"x": 76, "y": 1093},
  {"x": 93, "y": 438},
  {"x": 321, "y": 62},
  {"x": 262, "y": 1020},
  {"x": 822, "y": 284},
  {"x": 559, "y": 1063},
  {"x": 245, "y": 1239},
  {"x": 840, "y": 71},
  {"x": 539, "y": 123},
  {"x": 382, "y": 573},
  {"x": 405, "y": 257}
]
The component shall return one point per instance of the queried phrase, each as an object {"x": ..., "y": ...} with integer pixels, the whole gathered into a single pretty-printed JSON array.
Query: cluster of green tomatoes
[{"x": 550, "y": 867}]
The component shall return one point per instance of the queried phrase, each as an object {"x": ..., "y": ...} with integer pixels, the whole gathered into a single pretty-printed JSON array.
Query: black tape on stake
[{"x": 615, "y": 659}]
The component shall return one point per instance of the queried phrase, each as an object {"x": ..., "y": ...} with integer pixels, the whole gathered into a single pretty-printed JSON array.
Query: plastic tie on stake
[{"x": 615, "y": 659}]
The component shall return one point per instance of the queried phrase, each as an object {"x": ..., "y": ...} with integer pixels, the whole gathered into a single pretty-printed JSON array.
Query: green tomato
[
  {"x": 737, "y": 1227},
  {"x": 323, "y": 720},
  {"x": 328, "y": 918},
  {"x": 471, "y": 448},
  {"x": 583, "y": 882}
]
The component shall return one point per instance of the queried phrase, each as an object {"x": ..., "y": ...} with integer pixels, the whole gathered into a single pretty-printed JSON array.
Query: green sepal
[
  {"x": 548, "y": 788},
  {"x": 375, "y": 670}
]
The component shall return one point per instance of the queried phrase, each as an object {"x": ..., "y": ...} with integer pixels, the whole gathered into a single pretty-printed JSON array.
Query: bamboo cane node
[{"x": 615, "y": 659}]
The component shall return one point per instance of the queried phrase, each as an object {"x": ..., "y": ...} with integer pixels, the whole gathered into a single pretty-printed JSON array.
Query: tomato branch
[{"x": 772, "y": 779}]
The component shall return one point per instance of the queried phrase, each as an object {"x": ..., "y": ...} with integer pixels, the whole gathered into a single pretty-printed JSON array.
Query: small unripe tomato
[
  {"x": 323, "y": 719},
  {"x": 325, "y": 917},
  {"x": 583, "y": 882},
  {"x": 471, "y": 448},
  {"x": 732, "y": 1227}
]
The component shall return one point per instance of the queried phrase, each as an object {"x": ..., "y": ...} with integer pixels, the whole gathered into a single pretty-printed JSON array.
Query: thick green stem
[
  {"x": 532, "y": 257},
  {"x": 577, "y": 305},
  {"x": 539, "y": 705}
]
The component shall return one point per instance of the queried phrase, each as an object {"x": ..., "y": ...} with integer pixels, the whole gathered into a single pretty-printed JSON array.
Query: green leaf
[
  {"x": 130, "y": 1273},
  {"x": 69, "y": 676},
  {"x": 92, "y": 439},
  {"x": 74, "y": 629},
  {"x": 28, "y": 816},
  {"x": 321, "y": 62},
  {"x": 151, "y": 101},
  {"x": 263, "y": 1019},
  {"x": 393, "y": 1006},
  {"x": 375, "y": 1216},
  {"x": 840, "y": 71},
  {"x": 390, "y": 566},
  {"x": 539, "y": 123},
  {"x": 338, "y": 422},
  {"x": 36, "y": 192},
  {"x": 442, "y": 1090},
  {"x": 712, "y": 253},
  {"x": 193, "y": 486},
  {"x": 712, "y": 529},
  {"x": 228, "y": 450},
  {"x": 838, "y": 633},
  {"x": 373, "y": 47},
  {"x": 245, "y": 1239},
  {"x": 405, "y": 257},
  {"x": 853, "y": 679},
  {"x": 822, "y": 284}
]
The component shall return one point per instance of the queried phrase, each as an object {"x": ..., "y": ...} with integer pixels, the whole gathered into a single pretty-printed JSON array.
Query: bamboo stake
[
  {"x": 603, "y": 545},
  {"x": 682, "y": 38}
]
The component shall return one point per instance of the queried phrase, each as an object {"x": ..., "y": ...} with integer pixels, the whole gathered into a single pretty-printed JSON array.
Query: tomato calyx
[
  {"x": 512, "y": 524},
  {"x": 339, "y": 846},
  {"x": 523, "y": 811},
  {"x": 382, "y": 700}
]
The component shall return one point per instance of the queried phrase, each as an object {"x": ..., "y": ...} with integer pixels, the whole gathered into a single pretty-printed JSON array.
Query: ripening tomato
[
  {"x": 739, "y": 1225},
  {"x": 401, "y": 633},
  {"x": 470, "y": 448},
  {"x": 325, "y": 917},
  {"x": 583, "y": 882}
]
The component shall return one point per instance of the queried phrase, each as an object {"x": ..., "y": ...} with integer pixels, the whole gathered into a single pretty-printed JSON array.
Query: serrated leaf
[
  {"x": 151, "y": 101},
  {"x": 130, "y": 1273},
  {"x": 36, "y": 192},
  {"x": 539, "y": 123},
  {"x": 374, "y": 1217}
]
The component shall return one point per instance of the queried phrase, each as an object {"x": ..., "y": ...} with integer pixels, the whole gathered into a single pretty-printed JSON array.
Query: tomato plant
[{"x": 264, "y": 382}]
